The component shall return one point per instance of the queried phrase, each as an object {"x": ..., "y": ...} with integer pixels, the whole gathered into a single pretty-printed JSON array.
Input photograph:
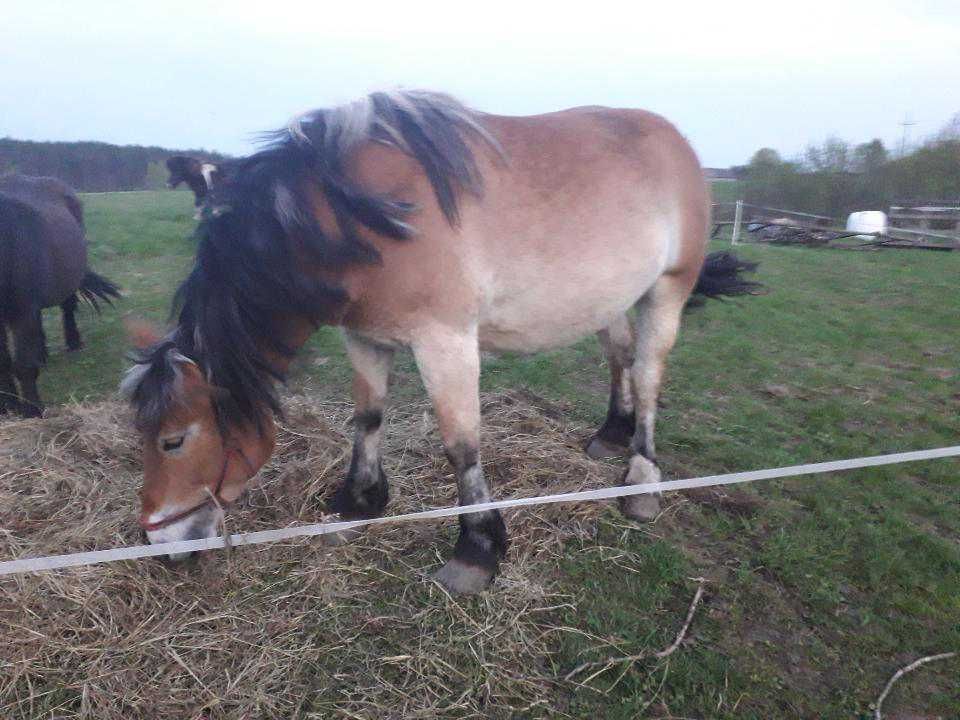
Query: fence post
[{"x": 736, "y": 222}]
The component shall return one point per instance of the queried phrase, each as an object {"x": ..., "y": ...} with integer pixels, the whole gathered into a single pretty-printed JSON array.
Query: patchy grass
[{"x": 819, "y": 587}]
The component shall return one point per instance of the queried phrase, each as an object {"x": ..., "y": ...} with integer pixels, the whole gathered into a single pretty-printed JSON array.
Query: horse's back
[
  {"x": 587, "y": 172},
  {"x": 592, "y": 206},
  {"x": 581, "y": 215}
]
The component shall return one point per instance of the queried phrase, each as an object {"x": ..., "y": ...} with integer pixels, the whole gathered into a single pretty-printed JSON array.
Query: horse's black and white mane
[{"x": 246, "y": 278}]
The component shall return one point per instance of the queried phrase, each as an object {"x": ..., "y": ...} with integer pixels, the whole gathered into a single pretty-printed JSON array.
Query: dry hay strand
[{"x": 292, "y": 629}]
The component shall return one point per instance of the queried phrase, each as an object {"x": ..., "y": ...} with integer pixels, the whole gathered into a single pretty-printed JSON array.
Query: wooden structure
[
  {"x": 939, "y": 216},
  {"x": 789, "y": 227}
]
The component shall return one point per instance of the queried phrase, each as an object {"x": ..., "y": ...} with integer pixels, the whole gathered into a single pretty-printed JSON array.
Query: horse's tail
[
  {"x": 721, "y": 276},
  {"x": 95, "y": 288}
]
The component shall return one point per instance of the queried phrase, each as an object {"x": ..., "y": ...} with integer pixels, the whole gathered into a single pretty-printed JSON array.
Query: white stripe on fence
[{"x": 52, "y": 562}]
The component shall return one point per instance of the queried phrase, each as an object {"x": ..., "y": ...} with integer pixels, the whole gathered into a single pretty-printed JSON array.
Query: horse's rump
[
  {"x": 21, "y": 258},
  {"x": 44, "y": 240}
]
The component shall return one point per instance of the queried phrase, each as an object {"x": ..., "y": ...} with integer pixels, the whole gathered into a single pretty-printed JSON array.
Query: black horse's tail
[
  {"x": 95, "y": 288},
  {"x": 721, "y": 276}
]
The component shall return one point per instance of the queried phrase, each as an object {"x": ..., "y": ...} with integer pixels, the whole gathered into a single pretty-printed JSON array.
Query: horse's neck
[
  {"x": 198, "y": 185},
  {"x": 293, "y": 331}
]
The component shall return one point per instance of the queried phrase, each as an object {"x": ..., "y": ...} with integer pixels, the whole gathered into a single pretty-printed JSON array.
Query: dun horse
[
  {"x": 410, "y": 221},
  {"x": 43, "y": 262}
]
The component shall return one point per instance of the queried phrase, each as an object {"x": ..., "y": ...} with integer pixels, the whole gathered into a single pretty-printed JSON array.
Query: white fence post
[{"x": 736, "y": 223}]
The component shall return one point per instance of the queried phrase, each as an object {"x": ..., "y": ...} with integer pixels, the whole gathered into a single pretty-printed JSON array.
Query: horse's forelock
[{"x": 154, "y": 383}]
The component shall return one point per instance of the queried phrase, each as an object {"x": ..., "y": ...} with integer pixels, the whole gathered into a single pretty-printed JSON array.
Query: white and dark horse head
[{"x": 199, "y": 176}]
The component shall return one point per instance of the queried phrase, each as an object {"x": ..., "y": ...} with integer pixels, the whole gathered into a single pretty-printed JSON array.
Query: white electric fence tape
[{"x": 52, "y": 562}]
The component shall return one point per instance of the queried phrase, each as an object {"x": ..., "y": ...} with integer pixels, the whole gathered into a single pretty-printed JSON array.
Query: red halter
[{"x": 213, "y": 498}]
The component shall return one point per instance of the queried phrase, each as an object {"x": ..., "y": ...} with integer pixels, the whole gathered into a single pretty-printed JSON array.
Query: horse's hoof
[
  {"x": 461, "y": 578},
  {"x": 340, "y": 537},
  {"x": 644, "y": 507},
  {"x": 29, "y": 410},
  {"x": 600, "y": 450},
  {"x": 74, "y": 348}
]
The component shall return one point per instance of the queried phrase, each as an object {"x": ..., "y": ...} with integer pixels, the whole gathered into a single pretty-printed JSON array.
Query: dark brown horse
[
  {"x": 410, "y": 221},
  {"x": 43, "y": 262}
]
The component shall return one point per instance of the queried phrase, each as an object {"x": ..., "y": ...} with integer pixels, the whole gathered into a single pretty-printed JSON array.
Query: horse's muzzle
[{"x": 197, "y": 525}]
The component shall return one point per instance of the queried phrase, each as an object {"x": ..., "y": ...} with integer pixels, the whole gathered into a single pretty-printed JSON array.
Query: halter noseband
[{"x": 214, "y": 497}]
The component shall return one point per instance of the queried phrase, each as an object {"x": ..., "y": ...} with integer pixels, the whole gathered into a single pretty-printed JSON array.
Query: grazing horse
[
  {"x": 199, "y": 176},
  {"x": 43, "y": 262},
  {"x": 410, "y": 221}
]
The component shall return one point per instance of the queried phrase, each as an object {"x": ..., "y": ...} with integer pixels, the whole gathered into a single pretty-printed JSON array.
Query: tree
[
  {"x": 870, "y": 157},
  {"x": 950, "y": 131},
  {"x": 765, "y": 158},
  {"x": 833, "y": 156}
]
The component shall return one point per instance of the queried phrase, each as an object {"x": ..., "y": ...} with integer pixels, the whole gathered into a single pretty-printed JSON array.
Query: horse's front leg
[
  {"x": 449, "y": 363},
  {"x": 364, "y": 492}
]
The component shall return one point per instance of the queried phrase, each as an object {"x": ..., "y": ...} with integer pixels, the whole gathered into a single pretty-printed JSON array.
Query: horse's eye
[{"x": 169, "y": 444}]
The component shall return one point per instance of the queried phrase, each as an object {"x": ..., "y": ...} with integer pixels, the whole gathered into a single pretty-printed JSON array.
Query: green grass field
[{"x": 819, "y": 587}]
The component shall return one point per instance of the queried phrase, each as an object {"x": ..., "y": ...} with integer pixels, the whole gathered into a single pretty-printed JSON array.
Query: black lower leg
[
  {"x": 71, "y": 332},
  {"x": 365, "y": 492},
  {"x": 30, "y": 405},
  {"x": 483, "y": 538},
  {"x": 8, "y": 388},
  {"x": 619, "y": 426},
  {"x": 30, "y": 355}
]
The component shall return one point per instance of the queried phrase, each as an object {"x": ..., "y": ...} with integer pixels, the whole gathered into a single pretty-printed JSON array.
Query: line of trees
[
  {"x": 92, "y": 166},
  {"x": 836, "y": 178}
]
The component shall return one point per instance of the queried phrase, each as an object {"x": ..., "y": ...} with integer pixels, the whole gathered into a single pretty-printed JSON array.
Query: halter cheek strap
[{"x": 214, "y": 495}]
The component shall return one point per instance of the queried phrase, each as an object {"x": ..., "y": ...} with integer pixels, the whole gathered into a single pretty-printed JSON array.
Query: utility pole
[{"x": 906, "y": 125}]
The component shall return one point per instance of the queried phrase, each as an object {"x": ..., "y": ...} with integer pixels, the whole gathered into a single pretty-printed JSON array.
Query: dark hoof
[
  {"x": 481, "y": 546},
  {"x": 352, "y": 504},
  {"x": 75, "y": 347},
  {"x": 461, "y": 578},
  {"x": 600, "y": 449},
  {"x": 29, "y": 410}
]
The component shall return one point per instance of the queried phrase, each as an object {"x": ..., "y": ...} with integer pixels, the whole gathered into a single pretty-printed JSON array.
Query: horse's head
[
  {"x": 194, "y": 463},
  {"x": 181, "y": 169}
]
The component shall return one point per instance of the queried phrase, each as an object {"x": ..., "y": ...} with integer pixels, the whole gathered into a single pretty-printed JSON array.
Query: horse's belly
[{"x": 558, "y": 314}]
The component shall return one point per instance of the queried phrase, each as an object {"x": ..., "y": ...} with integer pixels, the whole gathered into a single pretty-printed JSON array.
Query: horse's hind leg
[
  {"x": 657, "y": 323},
  {"x": 449, "y": 364},
  {"x": 30, "y": 354},
  {"x": 71, "y": 332},
  {"x": 364, "y": 492},
  {"x": 613, "y": 437},
  {"x": 8, "y": 388}
]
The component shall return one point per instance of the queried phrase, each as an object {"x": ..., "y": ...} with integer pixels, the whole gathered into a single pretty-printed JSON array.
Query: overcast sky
[{"x": 733, "y": 76}]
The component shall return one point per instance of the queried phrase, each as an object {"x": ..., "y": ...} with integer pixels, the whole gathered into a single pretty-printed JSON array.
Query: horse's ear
[
  {"x": 141, "y": 333},
  {"x": 190, "y": 375}
]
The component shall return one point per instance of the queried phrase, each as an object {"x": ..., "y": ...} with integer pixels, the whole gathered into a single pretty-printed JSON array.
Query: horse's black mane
[{"x": 246, "y": 275}]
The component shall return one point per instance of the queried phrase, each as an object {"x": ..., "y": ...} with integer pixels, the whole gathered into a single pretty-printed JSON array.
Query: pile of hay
[{"x": 295, "y": 629}]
